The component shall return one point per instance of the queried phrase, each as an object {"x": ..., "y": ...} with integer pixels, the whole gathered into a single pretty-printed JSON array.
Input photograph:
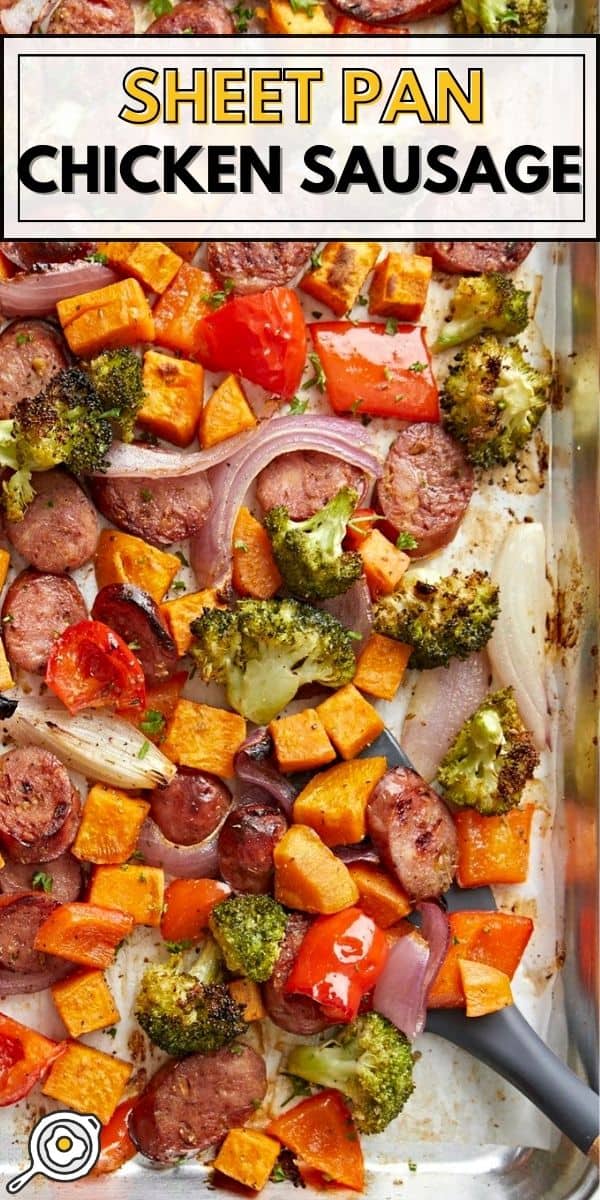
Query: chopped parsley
[
  {"x": 417, "y": 367},
  {"x": 391, "y": 325},
  {"x": 143, "y": 750},
  {"x": 146, "y": 495},
  {"x": 318, "y": 380},
  {"x": 159, "y": 8},
  {"x": 362, "y": 300},
  {"x": 299, "y": 1086},
  {"x": 241, "y": 546},
  {"x": 412, "y": 1166},
  {"x": 217, "y": 299},
  {"x": 316, "y": 258},
  {"x": 133, "y": 645},
  {"x": 98, "y": 256},
  {"x": 242, "y": 17},
  {"x": 22, "y": 339},
  {"x": 299, "y": 405},
  {"x": 406, "y": 541},
  {"x": 178, "y": 586},
  {"x": 153, "y": 722},
  {"x": 111, "y": 1031},
  {"x": 177, "y": 947},
  {"x": 41, "y": 882}
]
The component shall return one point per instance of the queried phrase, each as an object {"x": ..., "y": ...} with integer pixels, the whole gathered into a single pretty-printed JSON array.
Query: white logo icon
[{"x": 63, "y": 1146}]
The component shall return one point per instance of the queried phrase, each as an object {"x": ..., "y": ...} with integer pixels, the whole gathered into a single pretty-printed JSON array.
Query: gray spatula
[{"x": 504, "y": 1040}]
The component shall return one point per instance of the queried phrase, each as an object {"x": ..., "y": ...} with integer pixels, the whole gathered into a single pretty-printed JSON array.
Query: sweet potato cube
[
  {"x": 154, "y": 264},
  {"x": 110, "y": 826},
  {"x": 381, "y": 666},
  {"x": 281, "y": 18},
  {"x": 4, "y": 566},
  {"x": 255, "y": 572},
  {"x": 116, "y": 253},
  {"x": 248, "y": 1156},
  {"x": 248, "y": 994},
  {"x": 181, "y": 308},
  {"x": 351, "y": 722},
  {"x": 301, "y": 741},
  {"x": 486, "y": 989},
  {"x": 121, "y": 558},
  {"x": 380, "y": 896},
  {"x": 204, "y": 737},
  {"x": 173, "y": 396},
  {"x": 6, "y": 679},
  {"x": 181, "y": 612},
  {"x": 85, "y": 1003},
  {"x": 495, "y": 938},
  {"x": 88, "y": 1080},
  {"x": 185, "y": 250},
  {"x": 117, "y": 315},
  {"x": 400, "y": 285},
  {"x": 308, "y": 876},
  {"x": 87, "y": 934},
  {"x": 343, "y": 268},
  {"x": 493, "y": 849},
  {"x": 225, "y": 413},
  {"x": 131, "y": 888},
  {"x": 334, "y": 802},
  {"x": 383, "y": 564}
]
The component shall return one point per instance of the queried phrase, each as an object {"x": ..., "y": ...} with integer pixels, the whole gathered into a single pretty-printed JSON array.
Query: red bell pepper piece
[
  {"x": 377, "y": 373},
  {"x": 261, "y": 336},
  {"x": 346, "y": 25},
  {"x": 362, "y": 522},
  {"x": 25, "y": 1056},
  {"x": 116, "y": 1146},
  {"x": 90, "y": 666},
  {"x": 340, "y": 959}
]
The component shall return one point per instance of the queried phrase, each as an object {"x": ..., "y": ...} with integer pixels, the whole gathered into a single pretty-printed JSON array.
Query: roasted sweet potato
[
  {"x": 247, "y": 1156},
  {"x": 204, "y": 737},
  {"x": 88, "y": 1080},
  {"x": 121, "y": 558},
  {"x": 255, "y": 572},
  {"x": 84, "y": 933},
  {"x": 132, "y": 888},
  {"x": 334, "y": 802},
  {"x": 301, "y": 741},
  {"x": 110, "y": 826},
  {"x": 85, "y": 1003},
  {"x": 351, "y": 722},
  {"x": 225, "y": 413},
  {"x": 493, "y": 849},
  {"x": 495, "y": 938},
  {"x": 308, "y": 875},
  {"x": 173, "y": 392},
  {"x": 381, "y": 666}
]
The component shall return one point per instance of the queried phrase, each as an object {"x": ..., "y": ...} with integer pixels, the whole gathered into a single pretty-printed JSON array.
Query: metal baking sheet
[{"x": 463, "y": 1125}]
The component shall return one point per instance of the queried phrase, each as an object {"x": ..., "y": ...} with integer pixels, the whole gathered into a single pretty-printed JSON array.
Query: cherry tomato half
[
  {"x": 90, "y": 666},
  {"x": 261, "y": 336}
]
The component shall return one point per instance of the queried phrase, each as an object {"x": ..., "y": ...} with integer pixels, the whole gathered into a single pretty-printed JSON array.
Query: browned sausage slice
[
  {"x": 197, "y": 17},
  {"x": 31, "y": 352},
  {"x": 136, "y": 617},
  {"x": 413, "y": 833},
  {"x": 304, "y": 481},
  {"x": 296, "y": 1014},
  {"x": 476, "y": 258},
  {"x": 92, "y": 17},
  {"x": 160, "y": 511},
  {"x": 247, "y": 841},
  {"x": 21, "y": 915},
  {"x": 27, "y": 255},
  {"x": 62, "y": 879},
  {"x": 256, "y": 266},
  {"x": 190, "y": 1105},
  {"x": 375, "y": 11},
  {"x": 39, "y": 807},
  {"x": 37, "y": 609},
  {"x": 191, "y": 807},
  {"x": 59, "y": 531},
  {"x": 426, "y": 486}
]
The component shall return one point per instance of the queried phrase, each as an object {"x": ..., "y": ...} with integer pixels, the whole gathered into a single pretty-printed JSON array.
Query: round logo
[{"x": 62, "y": 1146}]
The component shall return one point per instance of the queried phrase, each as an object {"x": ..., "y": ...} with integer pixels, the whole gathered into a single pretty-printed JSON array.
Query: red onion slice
[
  {"x": 252, "y": 765},
  {"x": 442, "y": 701},
  {"x": 128, "y": 460},
  {"x": 354, "y": 610},
  {"x": 200, "y": 861},
  {"x": 413, "y": 963},
  {"x": 36, "y": 295},
  {"x": 359, "y": 852},
  {"x": 435, "y": 928},
  {"x": 17, "y": 983},
  {"x": 211, "y": 549}
]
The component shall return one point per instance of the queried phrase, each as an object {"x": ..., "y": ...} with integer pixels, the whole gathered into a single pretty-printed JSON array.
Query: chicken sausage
[{"x": 413, "y": 833}]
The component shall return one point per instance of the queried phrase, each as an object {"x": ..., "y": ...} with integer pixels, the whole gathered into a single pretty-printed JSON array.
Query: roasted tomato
[{"x": 90, "y": 666}]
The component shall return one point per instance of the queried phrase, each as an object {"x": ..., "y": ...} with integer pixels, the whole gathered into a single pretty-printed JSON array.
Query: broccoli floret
[
  {"x": 264, "y": 650},
  {"x": 486, "y": 304},
  {"x": 189, "y": 1011},
  {"x": 64, "y": 424},
  {"x": 510, "y": 17},
  {"x": 249, "y": 931},
  {"x": 491, "y": 759},
  {"x": 492, "y": 400},
  {"x": 309, "y": 553},
  {"x": 117, "y": 378},
  {"x": 370, "y": 1061},
  {"x": 442, "y": 618}
]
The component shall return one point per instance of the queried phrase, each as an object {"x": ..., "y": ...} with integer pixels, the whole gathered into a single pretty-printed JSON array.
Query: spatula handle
[{"x": 506, "y": 1042}]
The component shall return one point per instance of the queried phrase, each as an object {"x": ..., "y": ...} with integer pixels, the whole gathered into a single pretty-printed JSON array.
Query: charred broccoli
[
  {"x": 117, "y": 377},
  {"x": 370, "y": 1061},
  {"x": 189, "y": 1011},
  {"x": 501, "y": 16},
  {"x": 492, "y": 400},
  {"x": 249, "y": 930},
  {"x": 309, "y": 553},
  {"x": 486, "y": 304},
  {"x": 264, "y": 650},
  {"x": 442, "y": 618},
  {"x": 491, "y": 759},
  {"x": 65, "y": 424}
]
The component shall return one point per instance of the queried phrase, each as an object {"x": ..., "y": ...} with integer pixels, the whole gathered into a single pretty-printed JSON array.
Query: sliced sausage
[
  {"x": 191, "y": 807},
  {"x": 64, "y": 874},
  {"x": 247, "y": 841},
  {"x": 413, "y": 833},
  {"x": 21, "y": 915},
  {"x": 256, "y": 266},
  {"x": 136, "y": 617},
  {"x": 426, "y": 486},
  {"x": 476, "y": 258},
  {"x": 37, "y": 609},
  {"x": 296, "y": 1014},
  {"x": 373, "y": 11},
  {"x": 28, "y": 255},
  {"x": 160, "y": 511},
  {"x": 31, "y": 352},
  {"x": 92, "y": 17},
  {"x": 304, "y": 481},
  {"x": 197, "y": 17},
  {"x": 39, "y": 807},
  {"x": 191, "y": 1104},
  {"x": 59, "y": 531}
]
